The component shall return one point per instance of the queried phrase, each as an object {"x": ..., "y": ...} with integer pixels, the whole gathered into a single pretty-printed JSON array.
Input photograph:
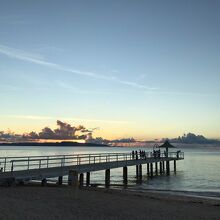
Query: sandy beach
[{"x": 36, "y": 202}]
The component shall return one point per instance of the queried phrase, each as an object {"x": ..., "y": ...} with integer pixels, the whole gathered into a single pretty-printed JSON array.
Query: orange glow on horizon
[
  {"x": 138, "y": 130},
  {"x": 59, "y": 140}
]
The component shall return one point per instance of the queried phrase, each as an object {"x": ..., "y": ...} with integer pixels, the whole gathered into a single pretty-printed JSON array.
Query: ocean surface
[{"x": 198, "y": 173}]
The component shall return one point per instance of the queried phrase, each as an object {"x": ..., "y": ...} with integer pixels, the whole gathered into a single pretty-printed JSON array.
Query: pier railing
[{"x": 40, "y": 162}]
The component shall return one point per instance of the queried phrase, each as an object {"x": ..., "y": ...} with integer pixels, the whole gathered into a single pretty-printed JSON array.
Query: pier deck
[{"x": 43, "y": 167}]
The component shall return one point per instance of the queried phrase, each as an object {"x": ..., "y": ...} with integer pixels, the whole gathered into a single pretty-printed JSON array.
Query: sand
[{"x": 36, "y": 202}]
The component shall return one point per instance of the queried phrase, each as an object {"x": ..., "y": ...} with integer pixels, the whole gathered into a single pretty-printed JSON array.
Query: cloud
[
  {"x": 24, "y": 56},
  {"x": 64, "y": 131},
  {"x": 164, "y": 92},
  {"x": 191, "y": 138},
  {"x": 33, "y": 117},
  {"x": 37, "y": 117},
  {"x": 133, "y": 84}
]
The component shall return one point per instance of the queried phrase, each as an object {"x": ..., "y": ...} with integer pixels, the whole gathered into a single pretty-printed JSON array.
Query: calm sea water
[{"x": 199, "y": 172}]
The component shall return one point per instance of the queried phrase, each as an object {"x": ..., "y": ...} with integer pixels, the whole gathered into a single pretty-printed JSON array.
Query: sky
[{"x": 133, "y": 68}]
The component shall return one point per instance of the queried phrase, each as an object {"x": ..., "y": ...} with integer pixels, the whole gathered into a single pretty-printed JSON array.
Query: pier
[{"x": 21, "y": 169}]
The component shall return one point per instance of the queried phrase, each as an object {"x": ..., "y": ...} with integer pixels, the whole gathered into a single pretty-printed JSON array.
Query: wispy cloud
[
  {"x": 178, "y": 93},
  {"x": 38, "y": 117},
  {"x": 32, "y": 117},
  {"x": 24, "y": 56},
  {"x": 134, "y": 84}
]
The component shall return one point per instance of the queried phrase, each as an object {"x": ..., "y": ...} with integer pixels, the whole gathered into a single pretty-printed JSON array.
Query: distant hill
[{"x": 191, "y": 138}]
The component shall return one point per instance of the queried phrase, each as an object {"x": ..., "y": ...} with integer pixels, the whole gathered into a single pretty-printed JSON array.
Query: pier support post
[
  {"x": 174, "y": 166},
  {"x": 81, "y": 180},
  {"x": 163, "y": 165},
  {"x": 148, "y": 169},
  {"x": 156, "y": 168},
  {"x": 107, "y": 178},
  {"x": 168, "y": 167},
  {"x": 60, "y": 180},
  {"x": 140, "y": 171},
  {"x": 137, "y": 171},
  {"x": 125, "y": 175},
  {"x": 151, "y": 169},
  {"x": 44, "y": 182},
  {"x": 73, "y": 178},
  {"x": 87, "y": 178},
  {"x": 161, "y": 168}
]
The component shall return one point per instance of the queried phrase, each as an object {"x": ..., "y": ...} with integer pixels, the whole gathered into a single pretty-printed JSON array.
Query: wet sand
[{"x": 36, "y": 202}]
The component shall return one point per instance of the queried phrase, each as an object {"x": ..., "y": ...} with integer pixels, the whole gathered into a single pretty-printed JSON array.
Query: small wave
[{"x": 205, "y": 195}]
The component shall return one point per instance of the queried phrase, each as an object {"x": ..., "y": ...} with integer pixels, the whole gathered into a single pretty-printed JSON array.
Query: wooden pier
[{"x": 20, "y": 169}]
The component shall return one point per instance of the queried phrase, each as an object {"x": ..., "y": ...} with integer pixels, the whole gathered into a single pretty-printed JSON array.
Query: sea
[{"x": 198, "y": 174}]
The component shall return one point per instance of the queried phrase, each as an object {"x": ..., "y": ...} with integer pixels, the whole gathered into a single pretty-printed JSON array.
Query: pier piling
[
  {"x": 81, "y": 180},
  {"x": 87, "y": 178},
  {"x": 168, "y": 167},
  {"x": 161, "y": 168},
  {"x": 137, "y": 171},
  {"x": 107, "y": 178},
  {"x": 156, "y": 168},
  {"x": 125, "y": 175},
  {"x": 174, "y": 166},
  {"x": 73, "y": 178},
  {"x": 151, "y": 169},
  {"x": 140, "y": 171},
  {"x": 44, "y": 182},
  {"x": 60, "y": 180},
  {"x": 148, "y": 169}
]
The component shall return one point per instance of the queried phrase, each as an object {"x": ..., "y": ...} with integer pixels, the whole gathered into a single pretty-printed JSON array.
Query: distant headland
[{"x": 55, "y": 144}]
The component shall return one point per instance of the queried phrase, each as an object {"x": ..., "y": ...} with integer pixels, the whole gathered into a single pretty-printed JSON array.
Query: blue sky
[{"x": 146, "y": 69}]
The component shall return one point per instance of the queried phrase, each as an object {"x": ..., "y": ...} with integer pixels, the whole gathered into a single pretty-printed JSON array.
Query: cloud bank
[{"x": 64, "y": 131}]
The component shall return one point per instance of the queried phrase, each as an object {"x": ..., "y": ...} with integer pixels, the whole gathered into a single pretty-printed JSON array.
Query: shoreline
[
  {"x": 193, "y": 194},
  {"x": 212, "y": 195},
  {"x": 161, "y": 194},
  {"x": 157, "y": 193},
  {"x": 183, "y": 196},
  {"x": 205, "y": 195}
]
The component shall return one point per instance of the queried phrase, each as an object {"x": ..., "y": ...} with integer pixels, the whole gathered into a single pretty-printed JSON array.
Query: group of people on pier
[
  {"x": 156, "y": 153},
  {"x": 139, "y": 155}
]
